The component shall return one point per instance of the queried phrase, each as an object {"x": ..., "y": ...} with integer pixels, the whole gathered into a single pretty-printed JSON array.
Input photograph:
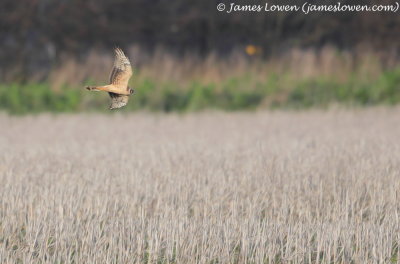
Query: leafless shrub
[{"x": 163, "y": 66}]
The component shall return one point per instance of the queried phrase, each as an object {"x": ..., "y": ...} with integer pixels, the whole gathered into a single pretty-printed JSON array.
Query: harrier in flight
[{"x": 118, "y": 88}]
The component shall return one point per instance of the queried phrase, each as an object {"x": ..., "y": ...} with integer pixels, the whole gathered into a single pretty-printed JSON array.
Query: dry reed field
[{"x": 261, "y": 187}]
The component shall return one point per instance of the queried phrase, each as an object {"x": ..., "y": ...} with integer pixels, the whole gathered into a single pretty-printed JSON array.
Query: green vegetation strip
[{"x": 239, "y": 93}]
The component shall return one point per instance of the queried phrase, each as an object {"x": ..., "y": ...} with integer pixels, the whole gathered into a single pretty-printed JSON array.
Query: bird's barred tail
[{"x": 91, "y": 88}]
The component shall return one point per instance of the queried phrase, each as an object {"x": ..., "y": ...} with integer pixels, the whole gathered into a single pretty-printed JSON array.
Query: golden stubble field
[{"x": 262, "y": 187}]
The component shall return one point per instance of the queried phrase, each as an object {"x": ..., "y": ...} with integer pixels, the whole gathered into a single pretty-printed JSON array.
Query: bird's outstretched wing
[
  {"x": 118, "y": 100},
  {"x": 122, "y": 70}
]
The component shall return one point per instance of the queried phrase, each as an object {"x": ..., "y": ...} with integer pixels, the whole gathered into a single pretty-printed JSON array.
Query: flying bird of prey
[{"x": 118, "y": 88}]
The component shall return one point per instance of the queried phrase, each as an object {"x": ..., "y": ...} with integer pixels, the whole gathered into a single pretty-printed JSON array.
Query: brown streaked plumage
[{"x": 118, "y": 88}]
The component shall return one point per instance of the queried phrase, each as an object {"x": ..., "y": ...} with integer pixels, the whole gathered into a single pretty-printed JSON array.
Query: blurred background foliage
[{"x": 187, "y": 56}]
